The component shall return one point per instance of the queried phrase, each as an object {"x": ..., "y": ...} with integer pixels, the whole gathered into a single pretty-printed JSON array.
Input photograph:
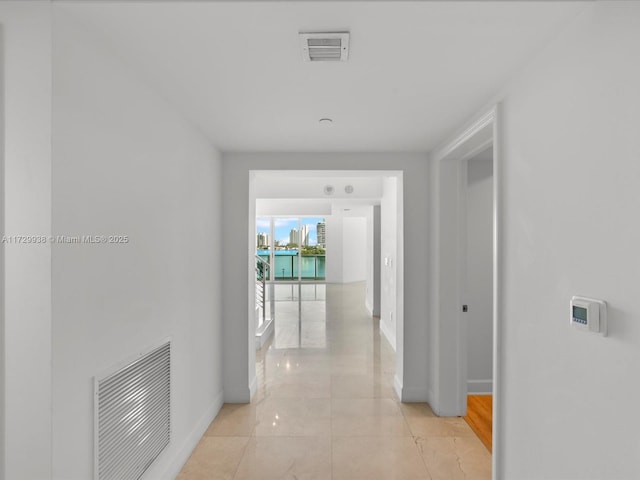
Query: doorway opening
[
  {"x": 290, "y": 251},
  {"x": 2, "y": 272},
  {"x": 466, "y": 273},
  {"x": 477, "y": 289},
  {"x": 310, "y": 229}
]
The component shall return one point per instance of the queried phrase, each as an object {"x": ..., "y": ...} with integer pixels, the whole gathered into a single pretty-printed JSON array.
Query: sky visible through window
[{"x": 283, "y": 227}]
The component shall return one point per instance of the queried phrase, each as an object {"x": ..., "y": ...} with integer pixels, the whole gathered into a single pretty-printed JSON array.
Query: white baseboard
[
  {"x": 184, "y": 452},
  {"x": 409, "y": 394},
  {"x": 414, "y": 395},
  {"x": 389, "y": 335},
  {"x": 369, "y": 307},
  {"x": 446, "y": 411},
  {"x": 442, "y": 410},
  {"x": 239, "y": 394},
  {"x": 253, "y": 387},
  {"x": 479, "y": 387},
  {"x": 264, "y": 333},
  {"x": 397, "y": 386}
]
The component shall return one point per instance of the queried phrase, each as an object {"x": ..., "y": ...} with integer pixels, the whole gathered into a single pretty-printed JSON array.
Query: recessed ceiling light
[{"x": 325, "y": 122}]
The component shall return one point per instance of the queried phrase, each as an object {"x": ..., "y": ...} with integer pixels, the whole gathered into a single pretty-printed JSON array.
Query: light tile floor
[{"x": 326, "y": 409}]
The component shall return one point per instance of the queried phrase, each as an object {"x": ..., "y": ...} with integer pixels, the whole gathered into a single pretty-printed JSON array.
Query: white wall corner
[
  {"x": 253, "y": 387},
  {"x": 414, "y": 395},
  {"x": 430, "y": 399},
  {"x": 369, "y": 307},
  {"x": 443, "y": 412},
  {"x": 240, "y": 394},
  {"x": 264, "y": 333},
  {"x": 397, "y": 386},
  {"x": 388, "y": 333}
]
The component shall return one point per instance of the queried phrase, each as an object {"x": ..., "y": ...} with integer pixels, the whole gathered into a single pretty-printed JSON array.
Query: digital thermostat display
[
  {"x": 589, "y": 314},
  {"x": 580, "y": 315}
]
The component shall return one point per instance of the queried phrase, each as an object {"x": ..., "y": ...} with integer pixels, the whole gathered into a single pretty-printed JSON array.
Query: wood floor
[{"x": 479, "y": 416}]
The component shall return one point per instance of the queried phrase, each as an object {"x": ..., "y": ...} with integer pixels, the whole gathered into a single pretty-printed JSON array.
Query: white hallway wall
[
  {"x": 571, "y": 171},
  {"x": 125, "y": 163},
  {"x": 354, "y": 249},
  {"x": 334, "y": 239},
  {"x": 25, "y": 447},
  {"x": 568, "y": 112},
  {"x": 374, "y": 235},
  {"x": 390, "y": 221},
  {"x": 372, "y": 259},
  {"x": 239, "y": 364},
  {"x": 346, "y": 249}
]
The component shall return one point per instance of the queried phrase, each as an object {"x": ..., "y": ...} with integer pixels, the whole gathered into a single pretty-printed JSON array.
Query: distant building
[
  {"x": 320, "y": 232},
  {"x": 294, "y": 236},
  {"x": 262, "y": 240},
  {"x": 304, "y": 235}
]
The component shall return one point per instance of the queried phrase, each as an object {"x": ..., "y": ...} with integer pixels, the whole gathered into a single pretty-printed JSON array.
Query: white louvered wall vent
[
  {"x": 133, "y": 416},
  {"x": 325, "y": 47}
]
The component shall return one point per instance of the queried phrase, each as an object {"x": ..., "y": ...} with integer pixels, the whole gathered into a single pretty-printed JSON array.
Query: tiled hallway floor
[{"x": 326, "y": 409}]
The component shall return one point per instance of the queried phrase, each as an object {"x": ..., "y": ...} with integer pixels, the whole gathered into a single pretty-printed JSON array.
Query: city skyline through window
[
  {"x": 294, "y": 247},
  {"x": 288, "y": 232}
]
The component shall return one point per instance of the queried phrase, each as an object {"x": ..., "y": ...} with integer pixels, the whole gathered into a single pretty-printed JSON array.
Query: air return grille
[
  {"x": 325, "y": 47},
  {"x": 133, "y": 416}
]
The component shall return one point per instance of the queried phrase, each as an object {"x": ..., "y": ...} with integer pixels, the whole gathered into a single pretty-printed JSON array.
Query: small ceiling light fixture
[
  {"x": 324, "y": 46},
  {"x": 325, "y": 122},
  {"x": 348, "y": 189}
]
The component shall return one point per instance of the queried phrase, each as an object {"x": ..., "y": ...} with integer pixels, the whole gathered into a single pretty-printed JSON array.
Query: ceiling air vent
[{"x": 325, "y": 47}]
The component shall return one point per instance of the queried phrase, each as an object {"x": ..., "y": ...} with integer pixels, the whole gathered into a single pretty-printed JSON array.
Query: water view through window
[{"x": 294, "y": 247}]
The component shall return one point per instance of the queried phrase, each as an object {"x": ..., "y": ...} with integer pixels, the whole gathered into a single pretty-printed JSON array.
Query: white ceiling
[{"x": 416, "y": 71}]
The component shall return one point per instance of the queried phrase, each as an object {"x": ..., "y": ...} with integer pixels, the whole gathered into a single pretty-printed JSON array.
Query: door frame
[
  {"x": 448, "y": 385},
  {"x": 396, "y": 337},
  {"x": 2, "y": 256}
]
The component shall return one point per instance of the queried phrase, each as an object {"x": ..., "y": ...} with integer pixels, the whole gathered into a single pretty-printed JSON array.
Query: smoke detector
[{"x": 325, "y": 47}]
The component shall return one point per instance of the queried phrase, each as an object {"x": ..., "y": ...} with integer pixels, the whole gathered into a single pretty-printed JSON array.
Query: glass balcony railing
[{"x": 289, "y": 266}]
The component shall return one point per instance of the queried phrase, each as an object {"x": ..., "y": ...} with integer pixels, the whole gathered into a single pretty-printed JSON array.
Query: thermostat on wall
[{"x": 588, "y": 314}]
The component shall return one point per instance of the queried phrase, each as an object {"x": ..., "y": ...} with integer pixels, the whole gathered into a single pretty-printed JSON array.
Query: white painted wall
[
  {"x": 375, "y": 285},
  {"x": 2, "y": 232},
  {"x": 388, "y": 265},
  {"x": 239, "y": 234},
  {"x": 334, "y": 240},
  {"x": 296, "y": 185},
  {"x": 479, "y": 274},
  {"x": 25, "y": 343},
  {"x": 125, "y": 164},
  {"x": 354, "y": 249},
  {"x": 371, "y": 259},
  {"x": 571, "y": 199},
  {"x": 292, "y": 208},
  {"x": 346, "y": 249}
]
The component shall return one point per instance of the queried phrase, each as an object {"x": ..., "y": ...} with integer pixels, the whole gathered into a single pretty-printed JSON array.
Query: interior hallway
[{"x": 326, "y": 409}]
